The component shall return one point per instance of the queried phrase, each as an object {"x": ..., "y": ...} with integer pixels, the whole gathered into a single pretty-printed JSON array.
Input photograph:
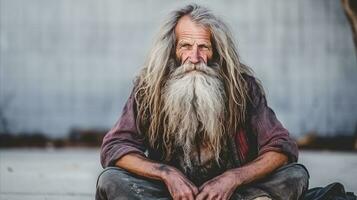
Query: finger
[
  {"x": 202, "y": 195},
  {"x": 194, "y": 189},
  {"x": 189, "y": 196},
  {"x": 216, "y": 197},
  {"x": 227, "y": 195},
  {"x": 212, "y": 196},
  {"x": 183, "y": 193}
]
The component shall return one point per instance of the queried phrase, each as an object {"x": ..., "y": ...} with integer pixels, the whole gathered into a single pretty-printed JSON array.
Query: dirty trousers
[{"x": 288, "y": 182}]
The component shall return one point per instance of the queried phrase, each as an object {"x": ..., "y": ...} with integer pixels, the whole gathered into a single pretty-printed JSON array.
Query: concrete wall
[{"x": 70, "y": 63}]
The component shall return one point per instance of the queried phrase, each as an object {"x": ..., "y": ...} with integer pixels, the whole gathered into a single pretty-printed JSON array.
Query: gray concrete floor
[{"x": 70, "y": 174}]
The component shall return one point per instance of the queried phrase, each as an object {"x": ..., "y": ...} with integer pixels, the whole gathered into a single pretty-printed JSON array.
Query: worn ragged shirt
[{"x": 262, "y": 133}]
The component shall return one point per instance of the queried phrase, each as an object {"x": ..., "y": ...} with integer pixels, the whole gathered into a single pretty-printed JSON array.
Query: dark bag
[{"x": 334, "y": 191}]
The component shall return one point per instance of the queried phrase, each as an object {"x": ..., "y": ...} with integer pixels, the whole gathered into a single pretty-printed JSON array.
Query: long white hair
[{"x": 158, "y": 67}]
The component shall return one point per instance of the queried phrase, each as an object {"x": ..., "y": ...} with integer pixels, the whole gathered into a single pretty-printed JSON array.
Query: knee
[
  {"x": 297, "y": 173},
  {"x": 298, "y": 170},
  {"x": 111, "y": 184},
  {"x": 111, "y": 177}
]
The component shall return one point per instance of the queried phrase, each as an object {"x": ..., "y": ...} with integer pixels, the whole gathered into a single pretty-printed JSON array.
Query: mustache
[{"x": 189, "y": 67}]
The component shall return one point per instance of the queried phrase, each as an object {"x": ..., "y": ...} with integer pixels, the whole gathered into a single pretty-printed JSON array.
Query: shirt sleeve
[
  {"x": 123, "y": 138},
  {"x": 270, "y": 133}
]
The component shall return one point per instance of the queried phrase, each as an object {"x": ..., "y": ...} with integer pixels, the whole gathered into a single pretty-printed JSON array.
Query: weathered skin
[
  {"x": 220, "y": 187},
  {"x": 178, "y": 185},
  {"x": 194, "y": 45},
  {"x": 193, "y": 42}
]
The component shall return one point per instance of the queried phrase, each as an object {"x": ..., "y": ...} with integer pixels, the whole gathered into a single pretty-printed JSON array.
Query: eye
[
  {"x": 203, "y": 47},
  {"x": 184, "y": 46}
]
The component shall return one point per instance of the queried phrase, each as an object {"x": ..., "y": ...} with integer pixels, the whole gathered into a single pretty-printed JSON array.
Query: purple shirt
[{"x": 262, "y": 132}]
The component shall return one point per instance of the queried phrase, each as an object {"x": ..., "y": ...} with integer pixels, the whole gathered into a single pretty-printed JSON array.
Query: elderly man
[{"x": 197, "y": 124}]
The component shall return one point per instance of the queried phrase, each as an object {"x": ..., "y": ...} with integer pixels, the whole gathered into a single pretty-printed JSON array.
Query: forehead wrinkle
[
  {"x": 189, "y": 29},
  {"x": 193, "y": 35}
]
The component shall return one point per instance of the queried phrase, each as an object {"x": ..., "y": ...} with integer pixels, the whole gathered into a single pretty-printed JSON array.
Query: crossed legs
[{"x": 288, "y": 182}]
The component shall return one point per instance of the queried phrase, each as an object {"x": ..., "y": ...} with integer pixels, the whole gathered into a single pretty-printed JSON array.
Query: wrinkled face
[{"x": 193, "y": 42}]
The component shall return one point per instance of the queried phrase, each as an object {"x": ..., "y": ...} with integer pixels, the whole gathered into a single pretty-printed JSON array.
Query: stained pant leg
[
  {"x": 118, "y": 184},
  {"x": 289, "y": 182}
]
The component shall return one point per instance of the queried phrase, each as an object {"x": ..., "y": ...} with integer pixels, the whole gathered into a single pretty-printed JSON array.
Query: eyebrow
[{"x": 183, "y": 40}]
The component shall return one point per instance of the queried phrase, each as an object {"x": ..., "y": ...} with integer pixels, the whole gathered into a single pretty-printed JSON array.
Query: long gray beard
[{"x": 194, "y": 107}]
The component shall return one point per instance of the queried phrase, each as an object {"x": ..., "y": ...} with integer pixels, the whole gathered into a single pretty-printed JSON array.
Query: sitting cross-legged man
[{"x": 197, "y": 124}]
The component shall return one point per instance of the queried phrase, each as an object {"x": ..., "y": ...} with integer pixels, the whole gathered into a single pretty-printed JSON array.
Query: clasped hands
[{"x": 218, "y": 188}]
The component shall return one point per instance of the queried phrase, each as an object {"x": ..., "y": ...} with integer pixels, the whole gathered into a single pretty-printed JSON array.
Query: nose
[{"x": 194, "y": 55}]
